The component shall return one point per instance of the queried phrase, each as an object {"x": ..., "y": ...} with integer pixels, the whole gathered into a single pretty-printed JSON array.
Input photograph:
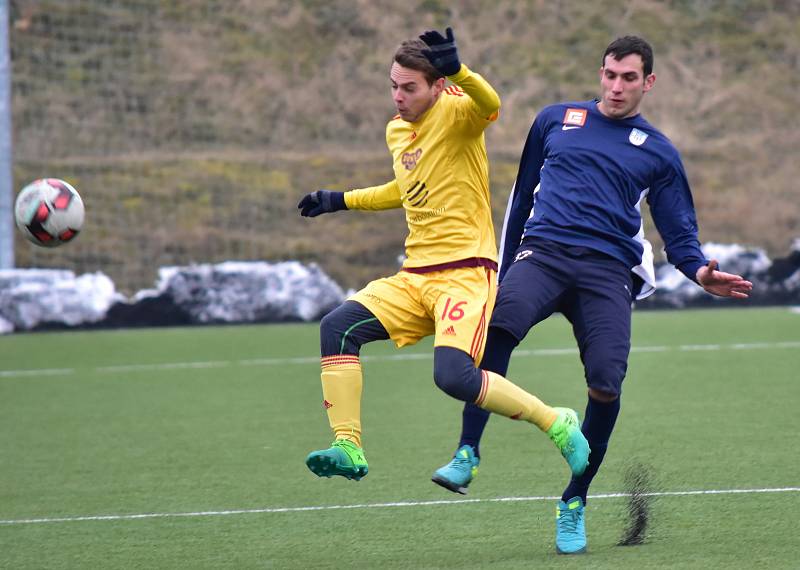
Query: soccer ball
[{"x": 49, "y": 212}]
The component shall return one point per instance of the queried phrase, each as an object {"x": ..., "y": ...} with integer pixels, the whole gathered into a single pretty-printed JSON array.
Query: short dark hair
[
  {"x": 627, "y": 45},
  {"x": 410, "y": 55}
]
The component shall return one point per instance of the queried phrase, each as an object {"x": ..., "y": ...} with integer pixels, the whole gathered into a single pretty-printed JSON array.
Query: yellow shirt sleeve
[
  {"x": 383, "y": 197},
  {"x": 482, "y": 94}
]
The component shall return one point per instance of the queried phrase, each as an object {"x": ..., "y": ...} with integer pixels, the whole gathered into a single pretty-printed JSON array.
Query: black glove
[
  {"x": 442, "y": 54},
  {"x": 321, "y": 202}
]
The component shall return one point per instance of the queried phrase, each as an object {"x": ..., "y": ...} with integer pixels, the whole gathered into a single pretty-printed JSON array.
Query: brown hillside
[{"x": 192, "y": 128}]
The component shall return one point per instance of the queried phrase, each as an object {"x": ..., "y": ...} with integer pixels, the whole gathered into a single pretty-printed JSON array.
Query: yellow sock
[
  {"x": 500, "y": 396},
  {"x": 341, "y": 388}
]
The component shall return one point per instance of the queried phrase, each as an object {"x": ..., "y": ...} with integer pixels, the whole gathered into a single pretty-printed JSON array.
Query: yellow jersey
[{"x": 442, "y": 177}]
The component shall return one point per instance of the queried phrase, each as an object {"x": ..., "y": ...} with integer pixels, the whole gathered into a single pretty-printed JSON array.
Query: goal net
[{"x": 161, "y": 114}]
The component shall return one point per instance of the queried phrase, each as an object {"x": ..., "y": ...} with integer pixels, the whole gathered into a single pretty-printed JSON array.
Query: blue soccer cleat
[
  {"x": 457, "y": 475},
  {"x": 570, "y": 530}
]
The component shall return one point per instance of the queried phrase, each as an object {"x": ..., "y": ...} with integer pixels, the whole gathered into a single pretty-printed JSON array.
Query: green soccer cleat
[
  {"x": 570, "y": 441},
  {"x": 343, "y": 458},
  {"x": 457, "y": 475},
  {"x": 570, "y": 529}
]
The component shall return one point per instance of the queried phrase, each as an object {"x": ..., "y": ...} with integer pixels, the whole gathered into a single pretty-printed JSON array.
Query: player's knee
[
  {"x": 345, "y": 329},
  {"x": 327, "y": 325},
  {"x": 332, "y": 328},
  {"x": 604, "y": 387},
  {"x": 330, "y": 332},
  {"x": 604, "y": 377},
  {"x": 455, "y": 374},
  {"x": 605, "y": 395}
]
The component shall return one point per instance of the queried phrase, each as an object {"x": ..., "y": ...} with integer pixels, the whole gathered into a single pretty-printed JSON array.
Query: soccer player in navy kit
[{"x": 573, "y": 242}]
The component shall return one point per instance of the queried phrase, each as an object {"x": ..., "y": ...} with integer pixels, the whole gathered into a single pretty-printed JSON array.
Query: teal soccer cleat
[
  {"x": 570, "y": 530},
  {"x": 570, "y": 441},
  {"x": 343, "y": 458},
  {"x": 457, "y": 475}
]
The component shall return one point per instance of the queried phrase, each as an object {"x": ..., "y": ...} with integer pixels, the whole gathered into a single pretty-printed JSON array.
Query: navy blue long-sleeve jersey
[{"x": 581, "y": 181}]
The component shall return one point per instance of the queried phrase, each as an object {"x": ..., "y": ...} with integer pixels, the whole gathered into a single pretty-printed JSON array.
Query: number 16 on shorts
[
  {"x": 463, "y": 311},
  {"x": 453, "y": 310}
]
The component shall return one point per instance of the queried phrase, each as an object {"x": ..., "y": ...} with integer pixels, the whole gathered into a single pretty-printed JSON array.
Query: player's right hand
[
  {"x": 442, "y": 51},
  {"x": 723, "y": 284},
  {"x": 321, "y": 202}
]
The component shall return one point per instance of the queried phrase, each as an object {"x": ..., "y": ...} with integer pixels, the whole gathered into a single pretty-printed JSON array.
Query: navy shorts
[{"x": 593, "y": 291}]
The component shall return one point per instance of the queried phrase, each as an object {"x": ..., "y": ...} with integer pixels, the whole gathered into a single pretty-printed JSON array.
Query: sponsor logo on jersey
[
  {"x": 326, "y": 404},
  {"x": 637, "y": 137},
  {"x": 575, "y": 117},
  {"x": 372, "y": 296},
  {"x": 413, "y": 136},
  {"x": 409, "y": 159},
  {"x": 428, "y": 214},
  {"x": 449, "y": 331},
  {"x": 417, "y": 195}
]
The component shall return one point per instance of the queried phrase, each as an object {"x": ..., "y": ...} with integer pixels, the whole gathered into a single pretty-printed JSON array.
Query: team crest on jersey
[
  {"x": 637, "y": 137},
  {"x": 409, "y": 159},
  {"x": 575, "y": 117}
]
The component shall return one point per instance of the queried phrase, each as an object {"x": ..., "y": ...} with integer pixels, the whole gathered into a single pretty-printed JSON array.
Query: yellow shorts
[{"x": 453, "y": 304}]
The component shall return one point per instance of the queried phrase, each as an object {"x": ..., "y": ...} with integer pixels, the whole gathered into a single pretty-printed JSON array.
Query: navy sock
[
  {"x": 597, "y": 427},
  {"x": 473, "y": 420},
  {"x": 499, "y": 346}
]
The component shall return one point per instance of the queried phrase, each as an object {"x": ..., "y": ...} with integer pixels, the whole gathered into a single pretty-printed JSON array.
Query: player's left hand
[
  {"x": 321, "y": 202},
  {"x": 722, "y": 284},
  {"x": 443, "y": 53}
]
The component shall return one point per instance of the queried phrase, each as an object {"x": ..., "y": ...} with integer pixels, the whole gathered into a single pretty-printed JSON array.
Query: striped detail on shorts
[
  {"x": 477, "y": 340},
  {"x": 480, "y": 333},
  {"x": 340, "y": 360},
  {"x": 484, "y": 388}
]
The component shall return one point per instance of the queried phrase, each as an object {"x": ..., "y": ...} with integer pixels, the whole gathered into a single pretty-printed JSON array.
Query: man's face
[
  {"x": 622, "y": 86},
  {"x": 411, "y": 93}
]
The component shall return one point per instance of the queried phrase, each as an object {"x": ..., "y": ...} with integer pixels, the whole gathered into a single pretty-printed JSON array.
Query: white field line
[
  {"x": 277, "y": 510},
  {"x": 36, "y": 372},
  {"x": 402, "y": 356}
]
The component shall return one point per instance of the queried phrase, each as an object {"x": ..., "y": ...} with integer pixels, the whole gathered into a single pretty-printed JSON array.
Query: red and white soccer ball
[{"x": 49, "y": 212}]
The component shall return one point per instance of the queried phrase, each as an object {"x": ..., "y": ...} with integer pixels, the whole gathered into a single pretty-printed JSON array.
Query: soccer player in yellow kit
[{"x": 447, "y": 284}]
